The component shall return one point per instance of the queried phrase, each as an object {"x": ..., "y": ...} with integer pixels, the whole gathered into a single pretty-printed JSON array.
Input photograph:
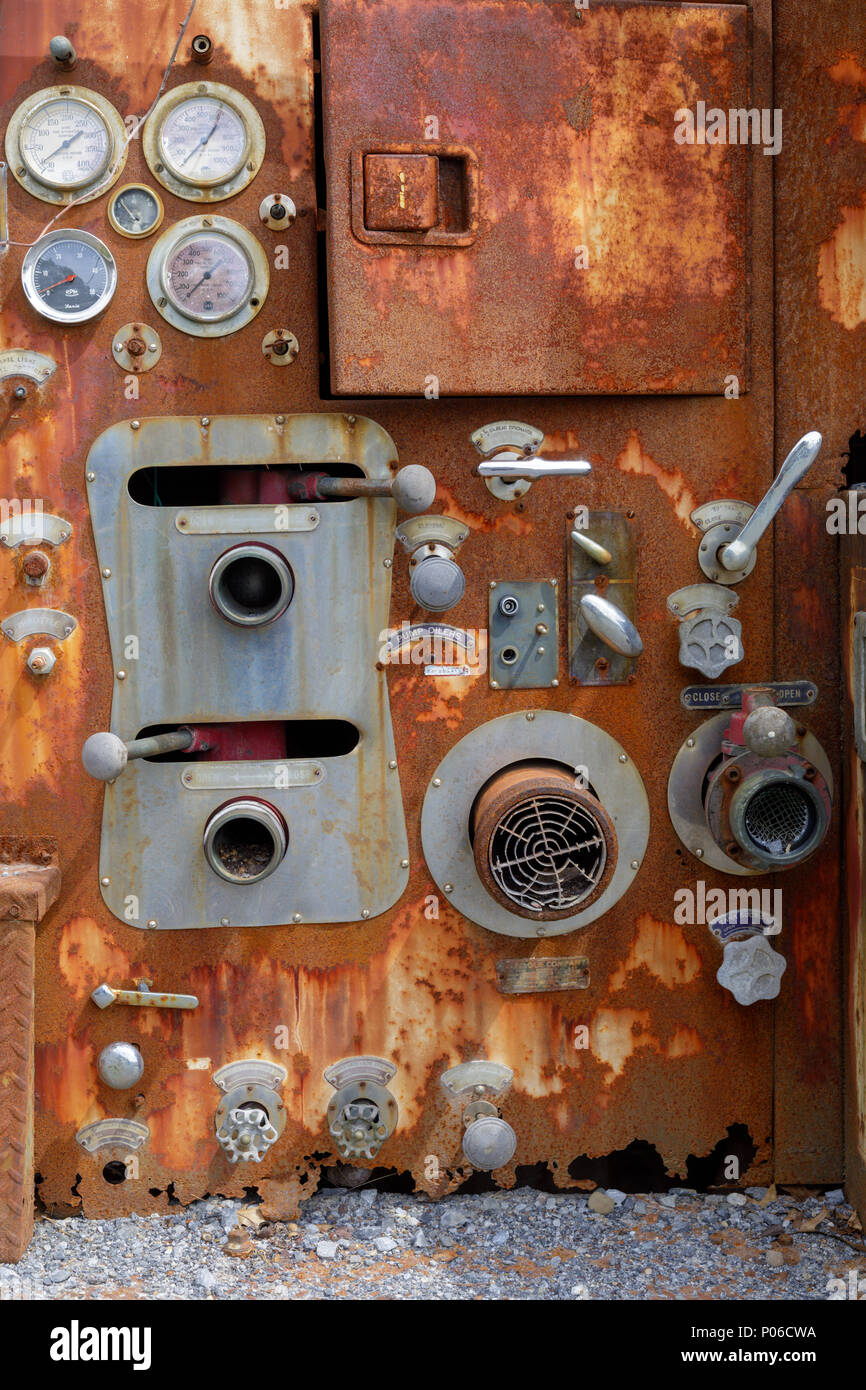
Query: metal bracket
[
  {"x": 42, "y": 622},
  {"x": 113, "y": 1133},
  {"x": 34, "y": 528},
  {"x": 474, "y": 1076}
]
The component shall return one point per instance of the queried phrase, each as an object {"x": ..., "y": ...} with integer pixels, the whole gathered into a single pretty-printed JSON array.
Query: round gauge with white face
[
  {"x": 204, "y": 141},
  {"x": 64, "y": 143},
  {"x": 135, "y": 210},
  {"x": 208, "y": 276},
  {"x": 69, "y": 276}
]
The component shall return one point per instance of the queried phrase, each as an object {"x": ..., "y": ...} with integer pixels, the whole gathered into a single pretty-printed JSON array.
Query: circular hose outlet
[
  {"x": 251, "y": 585},
  {"x": 245, "y": 840}
]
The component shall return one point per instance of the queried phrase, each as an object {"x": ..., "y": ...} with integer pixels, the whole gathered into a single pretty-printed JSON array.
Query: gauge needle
[
  {"x": 64, "y": 281},
  {"x": 134, "y": 215},
  {"x": 204, "y": 139},
  {"x": 206, "y": 276},
  {"x": 64, "y": 146}
]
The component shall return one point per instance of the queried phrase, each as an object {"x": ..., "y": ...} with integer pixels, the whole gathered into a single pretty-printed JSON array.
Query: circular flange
[
  {"x": 136, "y": 348},
  {"x": 685, "y": 792},
  {"x": 489, "y": 749},
  {"x": 708, "y": 553},
  {"x": 280, "y": 347},
  {"x": 184, "y": 234},
  {"x": 176, "y": 173},
  {"x": 23, "y": 161}
]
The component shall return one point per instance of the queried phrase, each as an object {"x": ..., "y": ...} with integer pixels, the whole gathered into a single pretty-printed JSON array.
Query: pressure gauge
[
  {"x": 135, "y": 210},
  {"x": 66, "y": 143},
  {"x": 207, "y": 276},
  {"x": 69, "y": 276},
  {"x": 204, "y": 141}
]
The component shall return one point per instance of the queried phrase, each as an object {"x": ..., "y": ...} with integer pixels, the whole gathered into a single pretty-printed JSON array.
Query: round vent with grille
[{"x": 544, "y": 845}]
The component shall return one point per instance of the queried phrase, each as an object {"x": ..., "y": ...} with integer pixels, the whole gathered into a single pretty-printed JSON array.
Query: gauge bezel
[
  {"x": 190, "y": 240},
  {"x": 87, "y": 189},
  {"x": 204, "y": 190},
  {"x": 115, "y": 221},
  {"x": 187, "y": 230},
  {"x": 34, "y": 255}
]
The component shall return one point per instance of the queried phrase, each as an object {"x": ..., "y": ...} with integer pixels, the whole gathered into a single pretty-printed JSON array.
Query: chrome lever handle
[
  {"x": 737, "y": 554},
  {"x": 532, "y": 468},
  {"x": 611, "y": 625},
  {"x": 104, "y": 755}
]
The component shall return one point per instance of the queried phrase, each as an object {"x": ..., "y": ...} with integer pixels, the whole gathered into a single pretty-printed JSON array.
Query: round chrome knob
[
  {"x": 120, "y": 1065},
  {"x": 489, "y": 1142}
]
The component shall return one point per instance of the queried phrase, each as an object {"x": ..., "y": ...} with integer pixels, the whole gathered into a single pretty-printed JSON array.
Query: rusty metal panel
[
  {"x": 418, "y": 984},
  {"x": 853, "y": 602},
  {"x": 597, "y": 255},
  {"x": 820, "y": 254}
]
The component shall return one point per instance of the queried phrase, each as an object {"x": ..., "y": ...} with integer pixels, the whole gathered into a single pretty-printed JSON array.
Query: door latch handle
[
  {"x": 737, "y": 554},
  {"x": 611, "y": 625}
]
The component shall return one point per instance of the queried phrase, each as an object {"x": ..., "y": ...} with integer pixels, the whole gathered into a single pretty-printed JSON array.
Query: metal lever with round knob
[
  {"x": 736, "y": 555},
  {"x": 413, "y": 488},
  {"x": 104, "y": 755},
  {"x": 610, "y": 625}
]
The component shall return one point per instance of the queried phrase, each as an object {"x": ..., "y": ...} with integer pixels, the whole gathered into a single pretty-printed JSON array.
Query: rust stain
[
  {"x": 66, "y": 1080},
  {"x": 662, "y": 949},
  {"x": 87, "y": 955},
  {"x": 673, "y": 483},
  {"x": 842, "y": 269}
]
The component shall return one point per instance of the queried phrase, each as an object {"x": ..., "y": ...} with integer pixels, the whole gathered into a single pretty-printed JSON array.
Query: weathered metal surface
[
  {"x": 606, "y": 257},
  {"x": 820, "y": 253},
  {"x": 27, "y": 891},
  {"x": 853, "y": 602},
  {"x": 418, "y": 985}
]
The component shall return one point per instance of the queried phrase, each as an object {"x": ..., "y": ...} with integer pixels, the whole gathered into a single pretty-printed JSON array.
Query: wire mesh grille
[
  {"x": 779, "y": 818},
  {"x": 547, "y": 853}
]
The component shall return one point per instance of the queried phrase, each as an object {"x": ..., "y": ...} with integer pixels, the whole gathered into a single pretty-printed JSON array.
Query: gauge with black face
[
  {"x": 69, "y": 276},
  {"x": 135, "y": 210}
]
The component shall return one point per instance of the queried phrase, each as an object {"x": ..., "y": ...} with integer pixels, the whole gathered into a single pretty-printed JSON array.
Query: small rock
[
  {"x": 775, "y": 1259},
  {"x": 326, "y": 1249},
  {"x": 834, "y": 1198},
  {"x": 499, "y": 1237},
  {"x": 369, "y": 1195},
  {"x": 640, "y": 1208},
  {"x": 385, "y": 1244},
  {"x": 420, "y": 1240},
  {"x": 600, "y": 1202},
  {"x": 616, "y": 1196},
  {"x": 452, "y": 1219},
  {"x": 737, "y": 1199},
  {"x": 204, "y": 1279},
  {"x": 757, "y": 1192},
  {"x": 667, "y": 1200}
]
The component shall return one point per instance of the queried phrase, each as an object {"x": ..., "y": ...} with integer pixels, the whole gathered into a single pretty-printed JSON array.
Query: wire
[{"x": 106, "y": 182}]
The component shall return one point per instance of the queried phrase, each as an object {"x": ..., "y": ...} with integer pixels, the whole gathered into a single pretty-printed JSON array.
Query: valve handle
[
  {"x": 737, "y": 554},
  {"x": 611, "y": 625}
]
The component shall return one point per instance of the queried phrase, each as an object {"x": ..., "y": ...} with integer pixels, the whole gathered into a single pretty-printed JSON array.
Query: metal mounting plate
[
  {"x": 614, "y": 582},
  {"x": 543, "y": 734},
  {"x": 188, "y": 670},
  {"x": 520, "y": 657}
]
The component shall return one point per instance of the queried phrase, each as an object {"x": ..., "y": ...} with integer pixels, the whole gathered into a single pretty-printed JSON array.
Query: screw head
[
  {"x": 296, "y": 917},
  {"x": 365, "y": 913},
  {"x": 224, "y": 922},
  {"x": 152, "y": 923},
  {"x": 121, "y": 675},
  {"x": 690, "y": 743},
  {"x": 387, "y": 564},
  {"x": 623, "y": 758},
  {"x": 437, "y": 781},
  {"x": 448, "y": 887},
  {"x": 699, "y": 854},
  {"x": 392, "y": 764},
  {"x": 635, "y": 864},
  {"x": 90, "y": 477},
  {"x": 105, "y": 881},
  {"x": 530, "y": 715},
  {"x": 404, "y": 863},
  {"x": 135, "y": 424},
  {"x": 106, "y": 573}
]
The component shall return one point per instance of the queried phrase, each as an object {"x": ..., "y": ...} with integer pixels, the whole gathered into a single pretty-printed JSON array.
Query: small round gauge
[
  {"x": 69, "y": 276},
  {"x": 204, "y": 141},
  {"x": 63, "y": 142},
  {"x": 135, "y": 210},
  {"x": 207, "y": 276}
]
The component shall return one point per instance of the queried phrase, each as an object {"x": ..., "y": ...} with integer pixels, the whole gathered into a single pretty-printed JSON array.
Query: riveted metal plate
[
  {"x": 590, "y": 660},
  {"x": 707, "y": 697},
  {"x": 523, "y": 645},
  {"x": 493, "y": 1076},
  {"x": 32, "y": 526},
  {"x": 540, "y": 975},
  {"x": 192, "y": 666},
  {"x": 115, "y": 1132},
  {"x": 47, "y": 622},
  {"x": 253, "y": 520}
]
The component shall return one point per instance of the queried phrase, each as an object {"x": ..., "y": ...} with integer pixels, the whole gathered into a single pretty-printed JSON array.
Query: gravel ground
[{"x": 522, "y": 1244}]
